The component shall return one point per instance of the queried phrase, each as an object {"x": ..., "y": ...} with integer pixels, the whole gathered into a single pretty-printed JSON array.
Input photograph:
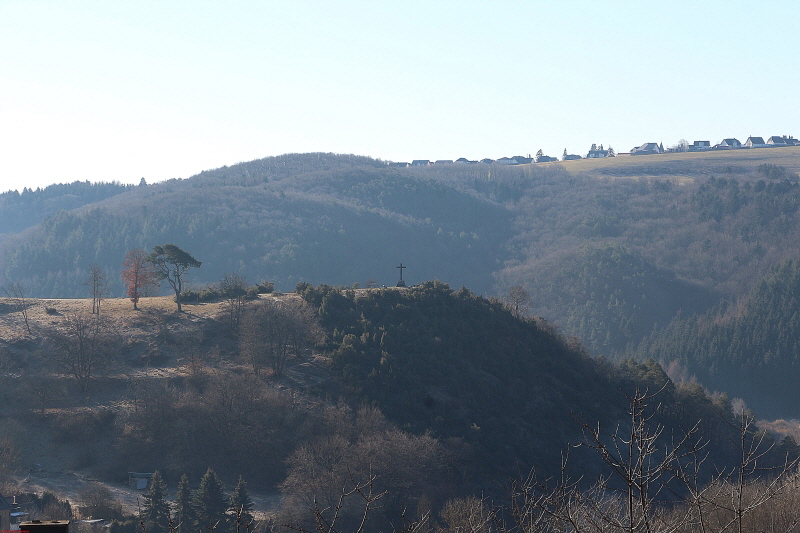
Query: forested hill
[
  {"x": 751, "y": 350},
  {"x": 507, "y": 391},
  {"x": 436, "y": 392},
  {"x": 287, "y": 219},
  {"x": 20, "y": 210},
  {"x": 608, "y": 250}
]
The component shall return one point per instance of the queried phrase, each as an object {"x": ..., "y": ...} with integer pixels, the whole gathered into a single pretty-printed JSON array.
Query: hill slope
[
  {"x": 608, "y": 250},
  {"x": 751, "y": 350},
  {"x": 348, "y": 223},
  {"x": 467, "y": 395},
  {"x": 28, "y": 208}
]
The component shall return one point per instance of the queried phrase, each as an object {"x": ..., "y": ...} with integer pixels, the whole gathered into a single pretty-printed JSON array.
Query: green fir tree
[
  {"x": 185, "y": 515},
  {"x": 155, "y": 511},
  {"x": 241, "y": 507},
  {"x": 210, "y": 501}
]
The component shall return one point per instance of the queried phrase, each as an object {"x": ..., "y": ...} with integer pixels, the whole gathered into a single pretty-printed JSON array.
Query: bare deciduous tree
[
  {"x": 44, "y": 389},
  {"x": 9, "y": 457},
  {"x": 643, "y": 468},
  {"x": 468, "y": 515},
  {"x": 274, "y": 330},
  {"x": 518, "y": 300},
  {"x": 83, "y": 346},
  {"x": 138, "y": 275},
  {"x": 98, "y": 286},
  {"x": 234, "y": 291},
  {"x": 647, "y": 472},
  {"x": 16, "y": 292},
  {"x": 326, "y": 518},
  {"x": 755, "y": 483}
]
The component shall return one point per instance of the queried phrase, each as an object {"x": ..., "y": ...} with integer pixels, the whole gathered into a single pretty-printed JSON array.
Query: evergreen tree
[
  {"x": 171, "y": 263},
  {"x": 210, "y": 501},
  {"x": 241, "y": 503},
  {"x": 155, "y": 512},
  {"x": 185, "y": 515}
]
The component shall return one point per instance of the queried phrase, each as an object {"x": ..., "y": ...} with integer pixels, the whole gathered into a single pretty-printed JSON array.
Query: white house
[
  {"x": 700, "y": 146},
  {"x": 776, "y": 140},
  {"x": 595, "y": 152},
  {"x": 729, "y": 144},
  {"x": 648, "y": 149},
  {"x": 755, "y": 142}
]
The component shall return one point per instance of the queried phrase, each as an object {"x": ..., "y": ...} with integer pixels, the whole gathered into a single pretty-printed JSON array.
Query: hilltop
[
  {"x": 689, "y": 164},
  {"x": 437, "y": 392}
]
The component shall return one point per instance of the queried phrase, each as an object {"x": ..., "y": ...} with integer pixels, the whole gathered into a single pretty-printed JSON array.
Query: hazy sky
[{"x": 105, "y": 90}]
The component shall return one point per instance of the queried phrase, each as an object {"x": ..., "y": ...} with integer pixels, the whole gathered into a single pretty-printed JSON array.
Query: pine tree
[
  {"x": 210, "y": 501},
  {"x": 240, "y": 503},
  {"x": 185, "y": 515},
  {"x": 155, "y": 512}
]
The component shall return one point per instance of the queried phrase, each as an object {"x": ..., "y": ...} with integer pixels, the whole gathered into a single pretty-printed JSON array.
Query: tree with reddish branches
[{"x": 138, "y": 274}]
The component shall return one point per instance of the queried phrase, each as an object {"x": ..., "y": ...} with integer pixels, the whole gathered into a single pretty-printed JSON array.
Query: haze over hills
[{"x": 608, "y": 250}]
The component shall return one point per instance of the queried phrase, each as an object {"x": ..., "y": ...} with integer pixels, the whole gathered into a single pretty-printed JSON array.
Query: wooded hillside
[
  {"x": 607, "y": 250},
  {"x": 439, "y": 393}
]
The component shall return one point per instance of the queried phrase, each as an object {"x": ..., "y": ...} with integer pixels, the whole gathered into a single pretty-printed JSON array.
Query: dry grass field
[
  {"x": 47, "y": 313},
  {"x": 683, "y": 165},
  {"x": 49, "y": 465}
]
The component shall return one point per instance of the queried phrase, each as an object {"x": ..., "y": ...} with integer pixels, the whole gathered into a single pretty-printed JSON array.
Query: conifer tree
[
  {"x": 210, "y": 501},
  {"x": 155, "y": 512},
  {"x": 241, "y": 504},
  {"x": 185, "y": 515}
]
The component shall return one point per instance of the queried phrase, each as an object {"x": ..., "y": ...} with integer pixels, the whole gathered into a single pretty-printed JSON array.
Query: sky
[{"x": 116, "y": 91}]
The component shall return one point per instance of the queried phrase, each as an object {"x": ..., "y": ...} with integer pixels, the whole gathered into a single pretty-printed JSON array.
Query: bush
[
  {"x": 212, "y": 294},
  {"x": 265, "y": 287},
  {"x": 208, "y": 294}
]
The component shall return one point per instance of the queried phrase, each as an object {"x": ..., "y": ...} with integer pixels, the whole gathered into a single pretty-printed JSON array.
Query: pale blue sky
[{"x": 105, "y": 90}]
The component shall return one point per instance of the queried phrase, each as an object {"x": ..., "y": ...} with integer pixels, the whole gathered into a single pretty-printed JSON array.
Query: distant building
[
  {"x": 420, "y": 163},
  {"x": 569, "y": 157},
  {"x": 506, "y": 161},
  {"x": 791, "y": 141},
  {"x": 444, "y": 162},
  {"x": 728, "y": 144},
  {"x": 755, "y": 142},
  {"x": 45, "y": 526},
  {"x": 487, "y": 161},
  {"x": 776, "y": 140},
  {"x": 648, "y": 149},
  {"x": 546, "y": 159},
  {"x": 700, "y": 146},
  {"x": 522, "y": 160},
  {"x": 596, "y": 153},
  {"x": 139, "y": 480}
]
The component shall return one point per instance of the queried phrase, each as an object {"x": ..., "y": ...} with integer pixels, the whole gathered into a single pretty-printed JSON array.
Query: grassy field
[
  {"x": 43, "y": 313},
  {"x": 689, "y": 164}
]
